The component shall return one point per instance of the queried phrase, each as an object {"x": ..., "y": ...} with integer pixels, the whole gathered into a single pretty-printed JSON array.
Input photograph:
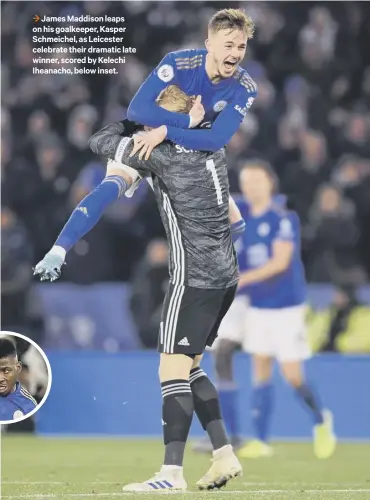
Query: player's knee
[
  {"x": 174, "y": 366},
  {"x": 292, "y": 373},
  {"x": 111, "y": 171},
  {"x": 224, "y": 359},
  {"x": 262, "y": 369}
]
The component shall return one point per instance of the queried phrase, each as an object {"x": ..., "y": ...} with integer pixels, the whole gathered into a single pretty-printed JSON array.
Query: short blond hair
[
  {"x": 231, "y": 19},
  {"x": 174, "y": 99}
]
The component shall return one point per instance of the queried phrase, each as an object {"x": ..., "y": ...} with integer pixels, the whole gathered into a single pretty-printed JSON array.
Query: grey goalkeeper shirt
[{"x": 192, "y": 193}]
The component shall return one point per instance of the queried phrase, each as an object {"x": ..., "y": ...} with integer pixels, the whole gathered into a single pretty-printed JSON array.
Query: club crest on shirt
[
  {"x": 219, "y": 106},
  {"x": 18, "y": 414},
  {"x": 263, "y": 229},
  {"x": 286, "y": 228},
  {"x": 165, "y": 73}
]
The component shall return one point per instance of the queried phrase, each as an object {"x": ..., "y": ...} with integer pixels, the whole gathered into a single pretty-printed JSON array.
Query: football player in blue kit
[
  {"x": 267, "y": 317},
  {"x": 15, "y": 400},
  {"x": 224, "y": 90}
]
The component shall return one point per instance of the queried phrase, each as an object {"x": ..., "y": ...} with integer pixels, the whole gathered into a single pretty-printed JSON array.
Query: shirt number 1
[{"x": 211, "y": 167}]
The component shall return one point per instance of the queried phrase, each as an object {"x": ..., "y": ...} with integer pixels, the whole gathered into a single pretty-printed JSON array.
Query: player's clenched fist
[
  {"x": 197, "y": 112},
  {"x": 49, "y": 268}
]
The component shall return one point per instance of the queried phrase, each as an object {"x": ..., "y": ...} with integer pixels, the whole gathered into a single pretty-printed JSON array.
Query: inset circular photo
[{"x": 25, "y": 377}]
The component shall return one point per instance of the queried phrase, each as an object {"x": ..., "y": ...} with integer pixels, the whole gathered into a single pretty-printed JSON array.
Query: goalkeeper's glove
[{"x": 49, "y": 268}]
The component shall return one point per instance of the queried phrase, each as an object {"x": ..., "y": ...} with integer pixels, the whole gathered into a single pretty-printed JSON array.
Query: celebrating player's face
[
  {"x": 256, "y": 185},
  {"x": 9, "y": 371},
  {"x": 227, "y": 49}
]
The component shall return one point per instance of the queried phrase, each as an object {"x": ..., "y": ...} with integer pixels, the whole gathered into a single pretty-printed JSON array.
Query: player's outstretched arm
[{"x": 143, "y": 108}]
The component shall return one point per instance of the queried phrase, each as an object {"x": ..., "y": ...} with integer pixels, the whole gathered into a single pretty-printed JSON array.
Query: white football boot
[
  {"x": 225, "y": 466},
  {"x": 168, "y": 479}
]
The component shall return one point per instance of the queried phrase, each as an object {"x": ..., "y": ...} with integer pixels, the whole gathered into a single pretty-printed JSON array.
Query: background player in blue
[
  {"x": 15, "y": 400},
  {"x": 268, "y": 316},
  {"x": 225, "y": 90}
]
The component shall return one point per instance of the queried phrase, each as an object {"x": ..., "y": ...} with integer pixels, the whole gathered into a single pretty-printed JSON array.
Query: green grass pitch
[{"x": 67, "y": 469}]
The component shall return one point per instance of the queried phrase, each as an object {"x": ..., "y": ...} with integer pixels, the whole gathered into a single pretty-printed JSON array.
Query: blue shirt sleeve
[
  {"x": 28, "y": 406},
  {"x": 285, "y": 229},
  {"x": 224, "y": 127},
  {"x": 143, "y": 108}
]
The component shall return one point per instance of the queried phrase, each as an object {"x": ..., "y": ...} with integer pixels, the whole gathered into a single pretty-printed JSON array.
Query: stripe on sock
[
  {"x": 195, "y": 374},
  {"x": 175, "y": 387}
]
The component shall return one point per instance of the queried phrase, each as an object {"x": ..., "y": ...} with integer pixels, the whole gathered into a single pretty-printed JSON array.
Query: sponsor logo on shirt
[
  {"x": 181, "y": 149},
  {"x": 242, "y": 111},
  {"x": 248, "y": 104}
]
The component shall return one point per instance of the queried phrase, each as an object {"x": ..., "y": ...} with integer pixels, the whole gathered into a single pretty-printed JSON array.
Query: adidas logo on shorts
[{"x": 184, "y": 342}]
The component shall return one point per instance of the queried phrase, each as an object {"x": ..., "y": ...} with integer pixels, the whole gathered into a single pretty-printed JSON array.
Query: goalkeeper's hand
[{"x": 49, "y": 268}]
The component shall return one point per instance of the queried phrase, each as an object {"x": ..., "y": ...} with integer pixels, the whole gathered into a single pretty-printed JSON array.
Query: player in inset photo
[{"x": 16, "y": 400}]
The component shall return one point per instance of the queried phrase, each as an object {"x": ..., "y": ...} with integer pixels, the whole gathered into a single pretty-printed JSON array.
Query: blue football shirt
[
  {"x": 255, "y": 248},
  {"x": 16, "y": 404},
  {"x": 225, "y": 103}
]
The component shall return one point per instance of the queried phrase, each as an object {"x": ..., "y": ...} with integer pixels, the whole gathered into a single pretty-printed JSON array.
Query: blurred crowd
[{"x": 311, "y": 120}]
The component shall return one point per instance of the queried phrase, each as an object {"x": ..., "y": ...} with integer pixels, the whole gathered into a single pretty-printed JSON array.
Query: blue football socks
[
  {"x": 228, "y": 396},
  {"x": 306, "y": 394},
  {"x": 262, "y": 402},
  {"x": 86, "y": 215}
]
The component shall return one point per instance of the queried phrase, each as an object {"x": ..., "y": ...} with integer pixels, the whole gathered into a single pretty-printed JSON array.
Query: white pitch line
[
  {"x": 341, "y": 485},
  {"x": 60, "y": 482},
  {"x": 221, "y": 492},
  {"x": 251, "y": 483},
  {"x": 349, "y": 490}
]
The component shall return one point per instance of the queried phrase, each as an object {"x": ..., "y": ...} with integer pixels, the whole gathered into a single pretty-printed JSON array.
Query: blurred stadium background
[{"x": 99, "y": 322}]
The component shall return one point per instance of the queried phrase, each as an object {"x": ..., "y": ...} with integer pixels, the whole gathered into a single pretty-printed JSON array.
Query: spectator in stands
[
  {"x": 352, "y": 175},
  {"x": 343, "y": 304},
  {"x": 16, "y": 274},
  {"x": 149, "y": 288},
  {"x": 301, "y": 180},
  {"x": 334, "y": 238},
  {"x": 85, "y": 263},
  {"x": 80, "y": 128}
]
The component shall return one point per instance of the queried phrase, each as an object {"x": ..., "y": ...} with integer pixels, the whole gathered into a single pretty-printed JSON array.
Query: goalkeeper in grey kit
[{"x": 192, "y": 193}]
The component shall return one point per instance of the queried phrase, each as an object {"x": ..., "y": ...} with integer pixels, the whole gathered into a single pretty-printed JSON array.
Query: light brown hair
[
  {"x": 231, "y": 19},
  {"x": 174, "y": 99}
]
